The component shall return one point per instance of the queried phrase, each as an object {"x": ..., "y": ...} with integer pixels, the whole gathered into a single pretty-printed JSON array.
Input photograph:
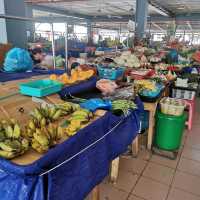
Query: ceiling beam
[
  {"x": 59, "y": 11},
  {"x": 157, "y": 26},
  {"x": 159, "y": 7},
  {"x": 49, "y": 1}
]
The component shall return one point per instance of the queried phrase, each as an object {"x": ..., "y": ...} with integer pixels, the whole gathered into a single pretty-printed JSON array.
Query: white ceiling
[{"x": 120, "y": 8}]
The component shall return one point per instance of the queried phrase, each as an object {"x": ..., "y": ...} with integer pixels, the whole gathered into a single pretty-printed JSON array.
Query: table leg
[
  {"x": 135, "y": 146},
  {"x": 114, "y": 171},
  {"x": 151, "y": 130},
  {"x": 95, "y": 193}
]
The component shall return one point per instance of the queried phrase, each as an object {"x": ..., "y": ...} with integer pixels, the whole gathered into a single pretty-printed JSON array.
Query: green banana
[
  {"x": 2, "y": 136},
  {"x": 51, "y": 131},
  {"x": 43, "y": 122},
  {"x": 37, "y": 114},
  {"x": 31, "y": 125},
  {"x": 16, "y": 131},
  {"x": 7, "y": 154},
  {"x": 57, "y": 114},
  {"x": 6, "y": 146},
  {"x": 52, "y": 111},
  {"x": 41, "y": 139},
  {"x": 9, "y": 131},
  {"x": 25, "y": 144},
  {"x": 60, "y": 133}
]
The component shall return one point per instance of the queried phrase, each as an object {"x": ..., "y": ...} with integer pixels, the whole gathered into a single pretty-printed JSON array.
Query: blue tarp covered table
[
  {"x": 71, "y": 169},
  {"x": 10, "y": 76}
]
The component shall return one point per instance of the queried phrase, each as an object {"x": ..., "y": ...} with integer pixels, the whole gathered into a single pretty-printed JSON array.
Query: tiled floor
[{"x": 159, "y": 178}]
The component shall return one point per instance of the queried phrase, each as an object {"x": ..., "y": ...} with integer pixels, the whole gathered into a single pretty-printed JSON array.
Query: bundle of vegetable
[
  {"x": 122, "y": 106},
  {"x": 127, "y": 59},
  {"x": 12, "y": 144}
]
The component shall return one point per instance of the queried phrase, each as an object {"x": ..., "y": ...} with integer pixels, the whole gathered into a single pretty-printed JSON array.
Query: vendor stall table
[{"x": 12, "y": 101}]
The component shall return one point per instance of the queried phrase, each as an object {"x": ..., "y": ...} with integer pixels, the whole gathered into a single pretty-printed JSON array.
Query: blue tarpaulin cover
[
  {"x": 10, "y": 76},
  {"x": 74, "y": 179},
  {"x": 84, "y": 86}
]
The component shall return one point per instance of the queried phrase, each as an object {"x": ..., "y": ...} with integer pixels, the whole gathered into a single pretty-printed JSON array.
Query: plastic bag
[
  {"x": 18, "y": 60},
  {"x": 94, "y": 104},
  {"x": 107, "y": 87}
]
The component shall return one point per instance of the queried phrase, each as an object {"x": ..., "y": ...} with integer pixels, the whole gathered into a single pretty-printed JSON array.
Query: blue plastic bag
[
  {"x": 94, "y": 104},
  {"x": 18, "y": 60}
]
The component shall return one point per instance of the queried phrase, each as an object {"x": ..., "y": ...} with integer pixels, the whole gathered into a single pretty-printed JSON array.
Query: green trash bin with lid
[{"x": 169, "y": 131}]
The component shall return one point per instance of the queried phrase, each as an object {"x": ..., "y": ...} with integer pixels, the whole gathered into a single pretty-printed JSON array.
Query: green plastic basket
[{"x": 40, "y": 88}]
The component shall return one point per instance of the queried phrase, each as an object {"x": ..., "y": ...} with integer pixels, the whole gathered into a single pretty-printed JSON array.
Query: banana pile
[
  {"x": 42, "y": 116},
  {"x": 122, "y": 106},
  {"x": 42, "y": 131},
  {"x": 79, "y": 119},
  {"x": 12, "y": 144},
  {"x": 46, "y": 137}
]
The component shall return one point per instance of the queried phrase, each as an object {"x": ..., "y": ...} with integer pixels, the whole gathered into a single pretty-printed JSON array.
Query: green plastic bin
[{"x": 169, "y": 131}]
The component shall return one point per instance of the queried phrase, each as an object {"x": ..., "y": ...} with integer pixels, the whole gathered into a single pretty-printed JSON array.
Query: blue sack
[{"x": 18, "y": 60}]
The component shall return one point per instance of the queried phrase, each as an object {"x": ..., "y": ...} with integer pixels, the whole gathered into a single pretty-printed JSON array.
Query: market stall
[{"x": 83, "y": 160}]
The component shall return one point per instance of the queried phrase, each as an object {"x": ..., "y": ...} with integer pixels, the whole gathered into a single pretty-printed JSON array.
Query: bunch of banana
[
  {"x": 44, "y": 115},
  {"x": 12, "y": 144},
  {"x": 78, "y": 120},
  {"x": 68, "y": 107},
  {"x": 123, "y": 106},
  {"x": 46, "y": 137}
]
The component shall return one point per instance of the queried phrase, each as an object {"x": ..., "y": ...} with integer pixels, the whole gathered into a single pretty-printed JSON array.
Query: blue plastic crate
[
  {"x": 40, "y": 88},
  {"x": 110, "y": 73}
]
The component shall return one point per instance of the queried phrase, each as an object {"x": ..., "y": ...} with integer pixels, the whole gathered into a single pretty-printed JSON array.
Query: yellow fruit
[{"x": 53, "y": 77}]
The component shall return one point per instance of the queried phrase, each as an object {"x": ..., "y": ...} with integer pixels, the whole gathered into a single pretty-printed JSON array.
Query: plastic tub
[
  {"x": 110, "y": 73},
  {"x": 40, "y": 88}
]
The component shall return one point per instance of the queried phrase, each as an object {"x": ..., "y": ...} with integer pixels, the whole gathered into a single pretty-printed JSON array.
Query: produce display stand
[
  {"x": 10, "y": 104},
  {"x": 8, "y": 109}
]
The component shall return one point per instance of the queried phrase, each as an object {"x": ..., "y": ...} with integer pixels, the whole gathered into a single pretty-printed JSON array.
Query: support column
[
  {"x": 3, "y": 32},
  {"x": 30, "y": 26},
  {"x": 90, "y": 32},
  {"x": 13, "y": 31},
  {"x": 141, "y": 18}
]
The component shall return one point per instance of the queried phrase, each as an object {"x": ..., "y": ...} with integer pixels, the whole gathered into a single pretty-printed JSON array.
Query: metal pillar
[
  {"x": 141, "y": 18},
  {"x": 30, "y": 25},
  {"x": 66, "y": 48},
  {"x": 90, "y": 32},
  {"x": 53, "y": 46},
  {"x": 3, "y": 33},
  {"x": 15, "y": 30}
]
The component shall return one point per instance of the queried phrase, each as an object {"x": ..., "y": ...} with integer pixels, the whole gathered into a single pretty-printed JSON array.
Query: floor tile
[
  {"x": 132, "y": 165},
  {"x": 187, "y": 182},
  {"x": 189, "y": 166},
  {"x": 133, "y": 197},
  {"x": 150, "y": 190},
  {"x": 126, "y": 181},
  {"x": 176, "y": 194},
  {"x": 165, "y": 161},
  {"x": 108, "y": 192},
  {"x": 159, "y": 173},
  {"x": 191, "y": 153},
  {"x": 192, "y": 143},
  {"x": 144, "y": 155}
]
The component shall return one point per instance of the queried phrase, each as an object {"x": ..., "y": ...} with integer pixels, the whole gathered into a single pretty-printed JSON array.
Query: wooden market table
[{"x": 10, "y": 103}]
